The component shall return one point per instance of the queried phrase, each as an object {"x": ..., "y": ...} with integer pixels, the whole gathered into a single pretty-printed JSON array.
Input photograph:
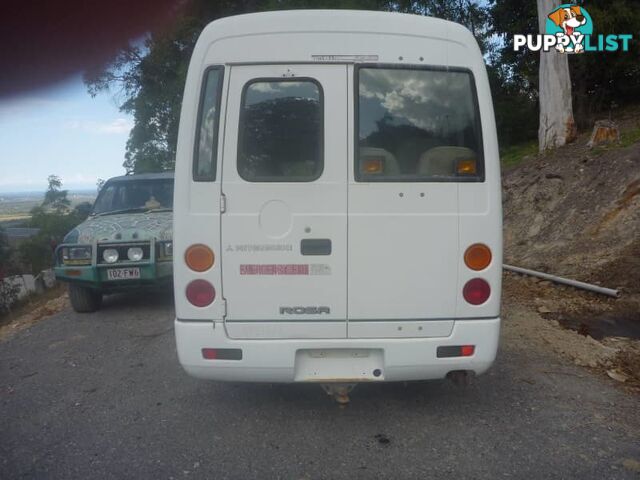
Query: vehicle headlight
[
  {"x": 165, "y": 250},
  {"x": 135, "y": 254},
  {"x": 76, "y": 255},
  {"x": 110, "y": 255}
]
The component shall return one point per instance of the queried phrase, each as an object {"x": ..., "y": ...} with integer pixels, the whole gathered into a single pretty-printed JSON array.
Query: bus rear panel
[{"x": 337, "y": 212}]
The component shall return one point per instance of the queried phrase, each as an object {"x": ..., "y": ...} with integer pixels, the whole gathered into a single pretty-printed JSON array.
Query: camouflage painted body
[{"x": 123, "y": 227}]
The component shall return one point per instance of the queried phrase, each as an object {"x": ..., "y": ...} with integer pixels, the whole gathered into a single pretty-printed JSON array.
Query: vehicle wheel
[{"x": 84, "y": 300}]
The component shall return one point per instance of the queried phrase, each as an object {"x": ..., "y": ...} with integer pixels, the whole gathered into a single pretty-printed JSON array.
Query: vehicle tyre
[{"x": 84, "y": 300}]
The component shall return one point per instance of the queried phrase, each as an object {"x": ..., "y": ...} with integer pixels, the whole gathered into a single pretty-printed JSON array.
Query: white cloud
[{"x": 117, "y": 126}]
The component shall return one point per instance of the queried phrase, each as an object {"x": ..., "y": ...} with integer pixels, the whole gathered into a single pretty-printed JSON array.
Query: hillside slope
[{"x": 576, "y": 212}]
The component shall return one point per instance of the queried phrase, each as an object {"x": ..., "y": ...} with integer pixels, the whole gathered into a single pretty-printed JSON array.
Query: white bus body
[{"x": 333, "y": 169}]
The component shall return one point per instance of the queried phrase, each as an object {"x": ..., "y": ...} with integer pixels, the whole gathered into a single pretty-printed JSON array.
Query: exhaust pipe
[{"x": 460, "y": 378}]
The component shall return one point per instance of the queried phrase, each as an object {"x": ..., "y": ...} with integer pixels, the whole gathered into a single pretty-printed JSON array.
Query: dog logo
[
  {"x": 569, "y": 29},
  {"x": 570, "y": 24}
]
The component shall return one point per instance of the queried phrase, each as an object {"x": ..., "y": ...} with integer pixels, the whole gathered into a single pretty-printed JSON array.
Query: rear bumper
[{"x": 402, "y": 359}]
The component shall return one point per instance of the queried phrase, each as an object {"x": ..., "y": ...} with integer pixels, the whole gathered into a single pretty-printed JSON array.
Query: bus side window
[{"x": 206, "y": 146}]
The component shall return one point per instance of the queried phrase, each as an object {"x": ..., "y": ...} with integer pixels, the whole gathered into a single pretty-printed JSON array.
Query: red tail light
[
  {"x": 456, "y": 351},
  {"x": 476, "y": 291},
  {"x": 467, "y": 350},
  {"x": 200, "y": 293},
  {"x": 222, "y": 354}
]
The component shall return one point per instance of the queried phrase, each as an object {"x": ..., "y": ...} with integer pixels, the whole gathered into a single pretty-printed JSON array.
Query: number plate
[{"x": 123, "y": 273}]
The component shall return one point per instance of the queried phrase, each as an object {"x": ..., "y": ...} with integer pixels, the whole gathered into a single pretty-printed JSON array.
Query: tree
[
  {"x": 54, "y": 218},
  {"x": 557, "y": 126},
  {"x": 148, "y": 78},
  {"x": 56, "y": 198}
]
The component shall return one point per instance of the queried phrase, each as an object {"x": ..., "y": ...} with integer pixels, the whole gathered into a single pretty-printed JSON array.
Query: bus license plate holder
[{"x": 339, "y": 365}]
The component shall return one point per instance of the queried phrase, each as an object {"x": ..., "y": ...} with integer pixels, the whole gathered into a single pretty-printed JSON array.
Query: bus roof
[{"x": 344, "y": 36}]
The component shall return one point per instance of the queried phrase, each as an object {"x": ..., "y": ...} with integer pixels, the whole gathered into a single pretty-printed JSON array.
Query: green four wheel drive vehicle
[{"x": 124, "y": 243}]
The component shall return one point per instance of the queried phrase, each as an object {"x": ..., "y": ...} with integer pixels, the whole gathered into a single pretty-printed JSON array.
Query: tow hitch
[{"x": 339, "y": 391}]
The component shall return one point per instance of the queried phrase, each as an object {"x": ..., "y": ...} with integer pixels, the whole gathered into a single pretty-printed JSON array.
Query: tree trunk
[{"x": 557, "y": 126}]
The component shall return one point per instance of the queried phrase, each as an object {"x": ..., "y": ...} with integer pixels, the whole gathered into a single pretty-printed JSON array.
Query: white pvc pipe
[{"x": 565, "y": 281}]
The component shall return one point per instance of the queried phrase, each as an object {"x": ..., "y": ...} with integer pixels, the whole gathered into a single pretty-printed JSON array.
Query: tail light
[
  {"x": 222, "y": 354},
  {"x": 476, "y": 291},
  {"x": 455, "y": 351},
  {"x": 199, "y": 258},
  {"x": 200, "y": 293},
  {"x": 477, "y": 257}
]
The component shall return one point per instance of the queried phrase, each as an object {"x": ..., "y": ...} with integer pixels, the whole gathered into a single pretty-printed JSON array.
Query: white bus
[{"x": 337, "y": 212}]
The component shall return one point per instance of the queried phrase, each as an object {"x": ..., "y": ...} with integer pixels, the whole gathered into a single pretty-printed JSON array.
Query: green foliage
[
  {"x": 53, "y": 224},
  {"x": 37, "y": 253},
  {"x": 4, "y": 246},
  {"x": 8, "y": 260},
  {"x": 514, "y": 75},
  {"x": 516, "y": 109},
  {"x": 8, "y": 295},
  {"x": 55, "y": 219},
  {"x": 8, "y": 291}
]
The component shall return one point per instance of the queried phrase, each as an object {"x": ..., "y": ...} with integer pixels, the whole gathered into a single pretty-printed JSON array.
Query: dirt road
[{"x": 103, "y": 396}]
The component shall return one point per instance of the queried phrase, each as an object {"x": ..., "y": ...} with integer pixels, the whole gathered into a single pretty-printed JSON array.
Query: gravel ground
[{"x": 103, "y": 396}]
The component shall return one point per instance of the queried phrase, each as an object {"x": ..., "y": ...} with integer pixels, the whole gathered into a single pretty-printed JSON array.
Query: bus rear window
[
  {"x": 417, "y": 125},
  {"x": 281, "y": 131}
]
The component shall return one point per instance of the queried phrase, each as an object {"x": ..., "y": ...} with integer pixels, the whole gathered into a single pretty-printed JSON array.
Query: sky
[{"x": 61, "y": 131}]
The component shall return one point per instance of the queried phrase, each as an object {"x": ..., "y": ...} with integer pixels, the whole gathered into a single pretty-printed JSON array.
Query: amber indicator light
[
  {"x": 199, "y": 257},
  {"x": 477, "y": 257}
]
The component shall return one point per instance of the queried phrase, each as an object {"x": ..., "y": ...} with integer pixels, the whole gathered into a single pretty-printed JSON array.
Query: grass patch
[
  {"x": 629, "y": 137},
  {"x": 514, "y": 154}
]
